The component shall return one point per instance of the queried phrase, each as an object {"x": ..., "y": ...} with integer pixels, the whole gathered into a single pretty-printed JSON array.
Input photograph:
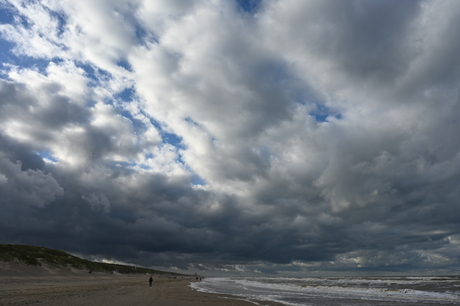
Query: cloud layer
[{"x": 287, "y": 137}]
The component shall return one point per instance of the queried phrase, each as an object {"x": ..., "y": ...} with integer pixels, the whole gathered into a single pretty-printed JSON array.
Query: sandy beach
[{"x": 22, "y": 285}]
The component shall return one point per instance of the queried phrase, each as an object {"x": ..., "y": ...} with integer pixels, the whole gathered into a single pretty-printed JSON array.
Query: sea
[{"x": 334, "y": 291}]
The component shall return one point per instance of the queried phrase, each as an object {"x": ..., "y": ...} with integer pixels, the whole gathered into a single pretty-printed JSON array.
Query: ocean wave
[{"x": 285, "y": 289}]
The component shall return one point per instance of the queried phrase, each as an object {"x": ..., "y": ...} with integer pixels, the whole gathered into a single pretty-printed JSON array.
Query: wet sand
[{"x": 73, "y": 287}]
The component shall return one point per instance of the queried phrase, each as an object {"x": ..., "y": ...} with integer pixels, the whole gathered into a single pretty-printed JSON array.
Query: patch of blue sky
[
  {"x": 322, "y": 113},
  {"x": 6, "y": 14},
  {"x": 194, "y": 123},
  {"x": 138, "y": 126},
  {"x": 89, "y": 70},
  {"x": 46, "y": 155},
  {"x": 127, "y": 94},
  {"x": 197, "y": 180},
  {"x": 10, "y": 15},
  {"x": 320, "y": 117},
  {"x": 166, "y": 136},
  {"x": 94, "y": 74},
  {"x": 62, "y": 21},
  {"x": 125, "y": 64},
  {"x": 249, "y": 6},
  {"x": 122, "y": 163},
  {"x": 101, "y": 76},
  {"x": 6, "y": 57},
  {"x": 144, "y": 166},
  {"x": 96, "y": 77},
  {"x": 172, "y": 139},
  {"x": 176, "y": 141},
  {"x": 144, "y": 37},
  {"x": 9, "y": 57}
]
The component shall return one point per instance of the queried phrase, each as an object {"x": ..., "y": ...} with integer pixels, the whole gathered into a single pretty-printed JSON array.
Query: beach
[
  {"x": 24, "y": 285},
  {"x": 32, "y": 285}
]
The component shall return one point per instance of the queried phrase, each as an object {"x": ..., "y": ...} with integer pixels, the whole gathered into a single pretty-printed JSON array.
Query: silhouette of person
[{"x": 150, "y": 281}]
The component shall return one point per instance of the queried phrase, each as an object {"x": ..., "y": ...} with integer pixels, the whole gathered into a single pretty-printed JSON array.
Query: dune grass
[{"x": 37, "y": 256}]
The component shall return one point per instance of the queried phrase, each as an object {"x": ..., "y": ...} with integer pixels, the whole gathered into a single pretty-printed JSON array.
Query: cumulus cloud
[
  {"x": 283, "y": 137},
  {"x": 29, "y": 187},
  {"x": 97, "y": 202}
]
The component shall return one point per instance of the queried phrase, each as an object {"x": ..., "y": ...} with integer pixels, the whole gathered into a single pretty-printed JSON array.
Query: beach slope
[{"x": 37, "y": 286}]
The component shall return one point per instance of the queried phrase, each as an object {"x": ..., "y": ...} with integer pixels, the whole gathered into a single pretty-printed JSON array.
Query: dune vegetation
[{"x": 38, "y": 256}]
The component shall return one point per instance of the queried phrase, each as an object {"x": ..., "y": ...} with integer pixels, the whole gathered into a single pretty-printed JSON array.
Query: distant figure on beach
[{"x": 150, "y": 281}]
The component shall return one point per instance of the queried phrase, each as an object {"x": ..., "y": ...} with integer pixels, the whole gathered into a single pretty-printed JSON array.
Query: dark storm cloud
[
  {"x": 324, "y": 134},
  {"x": 15, "y": 151}
]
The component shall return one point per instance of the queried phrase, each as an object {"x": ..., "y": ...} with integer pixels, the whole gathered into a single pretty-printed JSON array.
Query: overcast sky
[{"x": 288, "y": 137}]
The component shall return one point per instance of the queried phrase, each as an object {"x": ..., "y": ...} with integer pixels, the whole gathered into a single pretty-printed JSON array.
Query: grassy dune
[{"x": 38, "y": 256}]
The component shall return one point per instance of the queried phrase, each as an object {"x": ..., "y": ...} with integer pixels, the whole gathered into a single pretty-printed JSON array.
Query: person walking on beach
[{"x": 150, "y": 281}]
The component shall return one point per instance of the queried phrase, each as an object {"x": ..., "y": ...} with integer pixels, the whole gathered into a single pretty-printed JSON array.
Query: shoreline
[{"x": 82, "y": 288}]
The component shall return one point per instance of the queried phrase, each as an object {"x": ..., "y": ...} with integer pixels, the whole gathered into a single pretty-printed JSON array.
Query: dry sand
[{"x": 24, "y": 285}]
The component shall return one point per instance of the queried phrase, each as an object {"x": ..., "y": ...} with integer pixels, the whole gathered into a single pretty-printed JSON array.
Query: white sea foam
[
  {"x": 402, "y": 293},
  {"x": 308, "y": 291}
]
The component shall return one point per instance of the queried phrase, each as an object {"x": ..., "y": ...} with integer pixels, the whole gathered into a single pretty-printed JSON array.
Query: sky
[{"x": 225, "y": 137}]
